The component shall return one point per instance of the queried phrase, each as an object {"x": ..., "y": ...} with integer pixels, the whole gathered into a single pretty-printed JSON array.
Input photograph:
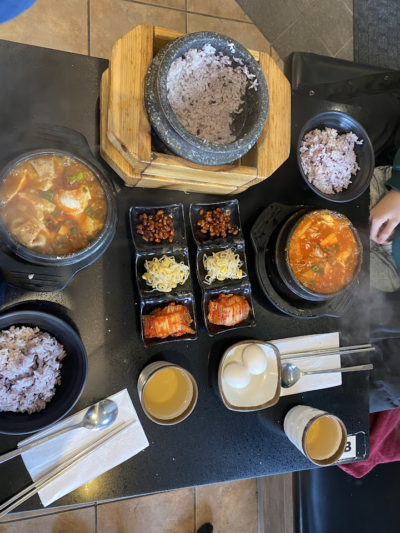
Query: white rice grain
[
  {"x": 29, "y": 369},
  {"x": 205, "y": 92},
  {"x": 328, "y": 159}
]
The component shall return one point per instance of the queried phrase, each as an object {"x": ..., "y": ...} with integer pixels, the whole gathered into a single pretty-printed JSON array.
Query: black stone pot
[
  {"x": 283, "y": 264},
  {"x": 99, "y": 244},
  {"x": 248, "y": 125}
]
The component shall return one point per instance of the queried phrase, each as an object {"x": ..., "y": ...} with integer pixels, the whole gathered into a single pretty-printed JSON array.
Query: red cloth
[{"x": 384, "y": 443}]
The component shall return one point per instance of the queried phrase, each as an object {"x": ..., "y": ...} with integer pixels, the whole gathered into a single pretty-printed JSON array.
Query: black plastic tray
[
  {"x": 263, "y": 236},
  {"x": 150, "y": 298},
  {"x": 206, "y": 245}
]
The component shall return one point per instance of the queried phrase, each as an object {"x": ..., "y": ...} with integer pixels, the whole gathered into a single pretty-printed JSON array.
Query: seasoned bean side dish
[
  {"x": 53, "y": 204},
  {"x": 216, "y": 222},
  {"x": 323, "y": 252},
  {"x": 158, "y": 227}
]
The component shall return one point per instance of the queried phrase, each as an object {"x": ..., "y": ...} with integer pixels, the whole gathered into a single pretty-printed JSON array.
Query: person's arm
[
  {"x": 385, "y": 215},
  {"x": 394, "y": 181}
]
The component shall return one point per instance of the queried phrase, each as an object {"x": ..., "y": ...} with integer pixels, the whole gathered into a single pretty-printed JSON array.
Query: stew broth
[
  {"x": 53, "y": 204},
  {"x": 323, "y": 252}
]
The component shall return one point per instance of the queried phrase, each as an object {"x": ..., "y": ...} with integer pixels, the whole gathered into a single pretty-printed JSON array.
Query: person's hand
[{"x": 385, "y": 216}]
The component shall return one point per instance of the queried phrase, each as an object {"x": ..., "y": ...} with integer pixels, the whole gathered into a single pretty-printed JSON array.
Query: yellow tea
[
  {"x": 168, "y": 393},
  {"x": 323, "y": 438}
]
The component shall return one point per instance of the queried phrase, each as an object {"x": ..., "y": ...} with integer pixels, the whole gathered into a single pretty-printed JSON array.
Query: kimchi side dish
[
  {"x": 323, "y": 252},
  {"x": 53, "y": 205}
]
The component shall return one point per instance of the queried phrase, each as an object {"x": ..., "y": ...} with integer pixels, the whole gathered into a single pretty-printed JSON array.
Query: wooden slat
[
  {"x": 158, "y": 182},
  {"x": 273, "y": 145},
  {"x": 162, "y": 36},
  {"x": 108, "y": 152},
  {"x": 125, "y": 133},
  {"x": 170, "y": 167},
  {"x": 128, "y": 126}
]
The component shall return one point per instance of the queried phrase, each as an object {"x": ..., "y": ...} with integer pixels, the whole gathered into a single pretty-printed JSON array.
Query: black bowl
[
  {"x": 101, "y": 242},
  {"x": 73, "y": 373},
  {"x": 364, "y": 153}
]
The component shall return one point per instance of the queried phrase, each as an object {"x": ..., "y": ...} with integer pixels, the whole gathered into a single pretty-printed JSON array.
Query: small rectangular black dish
[
  {"x": 202, "y": 272},
  {"x": 149, "y": 305},
  {"x": 206, "y": 245},
  {"x": 231, "y": 207},
  {"x": 245, "y": 291},
  {"x": 146, "y": 251},
  {"x": 145, "y": 290},
  {"x": 174, "y": 211}
]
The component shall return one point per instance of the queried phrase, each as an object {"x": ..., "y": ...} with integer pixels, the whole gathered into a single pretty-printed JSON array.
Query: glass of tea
[
  {"x": 168, "y": 393},
  {"x": 319, "y": 435}
]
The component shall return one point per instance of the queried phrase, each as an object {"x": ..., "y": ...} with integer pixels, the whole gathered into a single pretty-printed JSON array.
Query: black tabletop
[{"x": 213, "y": 444}]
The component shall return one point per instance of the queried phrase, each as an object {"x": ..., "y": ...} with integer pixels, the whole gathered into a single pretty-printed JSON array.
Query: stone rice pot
[{"x": 248, "y": 125}]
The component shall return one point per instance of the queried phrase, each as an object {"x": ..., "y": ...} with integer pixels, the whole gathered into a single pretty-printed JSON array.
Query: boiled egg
[
  {"x": 236, "y": 375},
  {"x": 254, "y": 359}
]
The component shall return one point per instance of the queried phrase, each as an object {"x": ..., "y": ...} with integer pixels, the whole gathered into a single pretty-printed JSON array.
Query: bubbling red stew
[
  {"x": 52, "y": 204},
  {"x": 323, "y": 252}
]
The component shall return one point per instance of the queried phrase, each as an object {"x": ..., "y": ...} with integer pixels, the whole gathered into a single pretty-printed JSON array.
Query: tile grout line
[
  {"x": 316, "y": 34},
  {"x": 311, "y": 28},
  {"x": 48, "y": 512},
  {"x": 296, "y": 19},
  {"x": 189, "y": 13},
  {"x": 351, "y": 38},
  {"x": 348, "y": 7},
  {"x": 290, "y": 25},
  {"x": 88, "y": 25},
  {"x": 95, "y": 518},
  {"x": 185, "y": 16}
]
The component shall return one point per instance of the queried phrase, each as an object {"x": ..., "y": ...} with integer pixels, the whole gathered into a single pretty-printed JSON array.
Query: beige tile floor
[
  {"x": 230, "y": 507},
  {"x": 91, "y": 27}
]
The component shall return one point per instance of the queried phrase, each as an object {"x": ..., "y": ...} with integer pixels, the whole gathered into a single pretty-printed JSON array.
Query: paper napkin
[
  {"x": 304, "y": 344},
  {"x": 49, "y": 455}
]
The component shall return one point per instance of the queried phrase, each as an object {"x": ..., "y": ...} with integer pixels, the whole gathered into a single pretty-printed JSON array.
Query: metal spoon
[
  {"x": 99, "y": 416},
  {"x": 291, "y": 374}
]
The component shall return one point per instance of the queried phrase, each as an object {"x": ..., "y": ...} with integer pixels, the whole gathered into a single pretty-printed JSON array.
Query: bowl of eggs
[{"x": 249, "y": 376}]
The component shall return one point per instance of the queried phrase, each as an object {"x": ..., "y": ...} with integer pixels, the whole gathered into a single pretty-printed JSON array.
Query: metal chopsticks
[
  {"x": 32, "y": 489},
  {"x": 346, "y": 350}
]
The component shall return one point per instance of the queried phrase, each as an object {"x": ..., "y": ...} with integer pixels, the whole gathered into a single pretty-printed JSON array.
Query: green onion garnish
[
  {"x": 90, "y": 211},
  {"x": 48, "y": 195},
  {"x": 76, "y": 177}
]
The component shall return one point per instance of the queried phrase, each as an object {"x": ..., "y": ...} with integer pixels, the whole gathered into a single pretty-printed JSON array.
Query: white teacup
[{"x": 319, "y": 435}]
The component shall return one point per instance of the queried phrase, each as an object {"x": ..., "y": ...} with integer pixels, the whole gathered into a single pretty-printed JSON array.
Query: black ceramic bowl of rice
[
  {"x": 336, "y": 166},
  {"x": 207, "y": 98},
  {"x": 26, "y": 390}
]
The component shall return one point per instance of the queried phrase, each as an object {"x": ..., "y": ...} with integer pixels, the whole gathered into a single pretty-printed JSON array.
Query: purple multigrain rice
[
  {"x": 205, "y": 92},
  {"x": 29, "y": 369},
  {"x": 328, "y": 159}
]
